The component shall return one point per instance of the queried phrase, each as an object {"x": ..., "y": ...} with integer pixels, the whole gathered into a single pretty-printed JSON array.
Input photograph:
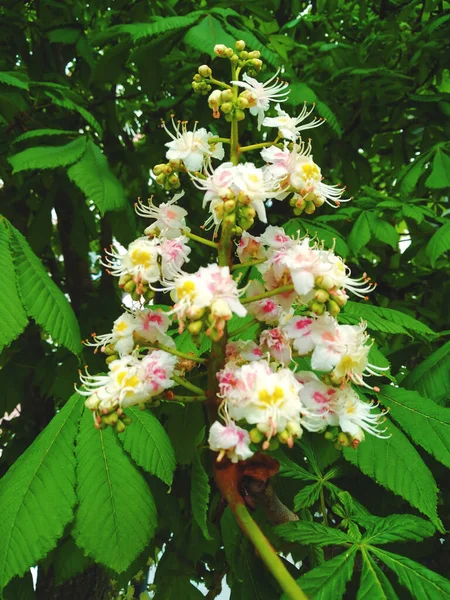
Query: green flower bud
[
  {"x": 219, "y": 210},
  {"x": 125, "y": 278},
  {"x": 237, "y": 230},
  {"x": 220, "y": 49},
  {"x": 135, "y": 297},
  {"x": 240, "y": 45},
  {"x": 247, "y": 212},
  {"x": 329, "y": 436},
  {"x": 205, "y": 71},
  {"x": 149, "y": 295},
  {"x": 197, "y": 78},
  {"x": 227, "y": 95},
  {"x": 109, "y": 350},
  {"x": 195, "y": 327},
  {"x": 239, "y": 114},
  {"x": 226, "y": 108},
  {"x": 256, "y": 435},
  {"x": 243, "y": 55},
  {"x": 254, "y": 54},
  {"x": 228, "y": 118},
  {"x": 242, "y": 103},
  {"x": 120, "y": 427},
  {"x": 317, "y": 201},
  {"x": 298, "y": 211},
  {"x": 246, "y": 223},
  {"x": 127, "y": 420},
  {"x": 333, "y": 308},
  {"x": 323, "y": 281},
  {"x": 229, "y": 52},
  {"x": 284, "y": 437},
  {"x": 174, "y": 180},
  {"x": 257, "y": 63},
  {"x": 158, "y": 169},
  {"x": 229, "y": 205},
  {"x": 317, "y": 307},
  {"x": 322, "y": 296},
  {"x": 274, "y": 444},
  {"x": 129, "y": 287},
  {"x": 111, "y": 419},
  {"x": 343, "y": 440},
  {"x": 161, "y": 179},
  {"x": 176, "y": 164},
  {"x": 112, "y": 358},
  {"x": 234, "y": 59},
  {"x": 310, "y": 208}
]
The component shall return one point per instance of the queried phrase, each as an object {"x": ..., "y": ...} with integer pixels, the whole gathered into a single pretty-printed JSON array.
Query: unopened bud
[
  {"x": 125, "y": 278},
  {"x": 242, "y": 103},
  {"x": 256, "y": 435},
  {"x": 112, "y": 358},
  {"x": 226, "y": 108},
  {"x": 318, "y": 201},
  {"x": 324, "y": 281},
  {"x": 294, "y": 428},
  {"x": 161, "y": 179},
  {"x": 109, "y": 350},
  {"x": 254, "y": 54},
  {"x": 195, "y": 328},
  {"x": 149, "y": 295},
  {"x": 215, "y": 99},
  {"x": 250, "y": 96},
  {"x": 229, "y": 205},
  {"x": 257, "y": 63},
  {"x": 246, "y": 223},
  {"x": 317, "y": 307},
  {"x": 343, "y": 440},
  {"x": 229, "y": 52},
  {"x": 321, "y": 296},
  {"x": 205, "y": 71},
  {"x": 110, "y": 419},
  {"x": 274, "y": 444},
  {"x": 127, "y": 420},
  {"x": 240, "y": 45},
  {"x": 198, "y": 78},
  {"x": 298, "y": 211},
  {"x": 243, "y": 55},
  {"x": 220, "y": 49},
  {"x": 120, "y": 427},
  {"x": 135, "y": 296},
  {"x": 284, "y": 437},
  {"x": 239, "y": 114},
  {"x": 129, "y": 287},
  {"x": 247, "y": 212},
  {"x": 219, "y": 210},
  {"x": 174, "y": 180},
  {"x": 329, "y": 436},
  {"x": 195, "y": 313},
  {"x": 158, "y": 169},
  {"x": 333, "y": 308}
]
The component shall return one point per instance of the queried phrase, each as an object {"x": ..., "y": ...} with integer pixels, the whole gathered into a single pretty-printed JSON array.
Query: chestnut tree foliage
[{"x": 83, "y": 90}]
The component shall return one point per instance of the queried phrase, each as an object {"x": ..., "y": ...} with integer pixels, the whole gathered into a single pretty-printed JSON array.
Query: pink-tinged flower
[
  {"x": 336, "y": 276},
  {"x": 158, "y": 368},
  {"x": 140, "y": 260},
  {"x": 229, "y": 440},
  {"x": 255, "y": 186},
  {"x": 243, "y": 351},
  {"x": 266, "y": 310},
  {"x": 121, "y": 336},
  {"x": 290, "y": 127},
  {"x": 275, "y": 238},
  {"x": 192, "y": 147},
  {"x": 298, "y": 329},
  {"x": 170, "y": 218},
  {"x": 262, "y": 94},
  {"x": 152, "y": 326},
  {"x": 317, "y": 398},
  {"x": 174, "y": 253},
  {"x": 249, "y": 248},
  {"x": 277, "y": 344}
]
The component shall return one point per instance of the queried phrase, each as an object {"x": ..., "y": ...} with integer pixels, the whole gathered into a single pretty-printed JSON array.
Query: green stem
[
  {"x": 185, "y": 399},
  {"x": 323, "y": 507},
  {"x": 175, "y": 352},
  {"x": 239, "y": 330},
  {"x": 280, "y": 290},
  {"x": 219, "y": 83},
  {"x": 215, "y": 140},
  {"x": 198, "y": 238},
  {"x": 188, "y": 385},
  {"x": 268, "y": 554},
  {"x": 250, "y": 263},
  {"x": 257, "y": 146}
]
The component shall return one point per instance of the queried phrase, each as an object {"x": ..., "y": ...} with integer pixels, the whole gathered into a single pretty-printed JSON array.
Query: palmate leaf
[
  {"x": 307, "y": 496},
  {"x": 94, "y": 177},
  {"x": 116, "y": 515},
  {"x": 430, "y": 378},
  {"x": 37, "y": 494},
  {"x": 12, "y": 314},
  {"x": 439, "y": 177},
  {"x": 68, "y": 561},
  {"x": 48, "y": 157},
  {"x": 149, "y": 445},
  {"x": 360, "y": 234},
  {"x": 200, "y": 492},
  {"x": 14, "y": 79},
  {"x": 439, "y": 243},
  {"x": 206, "y": 34},
  {"x": 306, "y": 532},
  {"x": 330, "y": 579},
  {"x": 397, "y": 528},
  {"x": 426, "y": 423},
  {"x": 60, "y": 99},
  {"x": 43, "y": 133},
  {"x": 420, "y": 581},
  {"x": 382, "y": 230},
  {"x": 374, "y": 585},
  {"x": 41, "y": 297},
  {"x": 395, "y": 464}
]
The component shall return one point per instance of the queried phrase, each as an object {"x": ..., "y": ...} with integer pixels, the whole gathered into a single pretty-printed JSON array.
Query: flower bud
[
  {"x": 239, "y": 114},
  {"x": 125, "y": 278},
  {"x": 229, "y": 205},
  {"x": 109, "y": 350},
  {"x": 195, "y": 328},
  {"x": 242, "y": 103},
  {"x": 329, "y": 436},
  {"x": 112, "y": 358},
  {"x": 250, "y": 96},
  {"x": 254, "y": 54},
  {"x": 149, "y": 295},
  {"x": 92, "y": 402},
  {"x": 256, "y": 435},
  {"x": 294, "y": 428},
  {"x": 229, "y": 52},
  {"x": 120, "y": 427},
  {"x": 246, "y": 223},
  {"x": 215, "y": 99},
  {"x": 195, "y": 313},
  {"x": 237, "y": 230},
  {"x": 343, "y": 440},
  {"x": 129, "y": 287},
  {"x": 127, "y": 420},
  {"x": 220, "y": 309},
  {"x": 111, "y": 419},
  {"x": 219, "y": 210},
  {"x": 318, "y": 201},
  {"x": 220, "y": 49},
  {"x": 197, "y": 78},
  {"x": 333, "y": 308},
  {"x": 227, "y": 95},
  {"x": 284, "y": 436},
  {"x": 240, "y": 45},
  {"x": 158, "y": 169},
  {"x": 174, "y": 180},
  {"x": 297, "y": 211},
  {"x": 324, "y": 281},
  {"x": 257, "y": 63},
  {"x": 243, "y": 55},
  {"x": 234, "y": 59},
  {"x": 317, "y": 307},
  {"x": 322, "y": 296},
  {"x": 161, "y": 179},
  {"x": 310, "y": 208},
  {"x": 274, "y": 444},
  {"x": 135, "y": 296},
  {"x": 247, "y": 212},
  {"x": 205, "y": 71},
  {"x": 226, "y": 108}
]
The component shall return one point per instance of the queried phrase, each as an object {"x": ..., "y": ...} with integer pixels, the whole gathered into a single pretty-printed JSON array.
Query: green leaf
[
  {"x": 395, "y": 464},
  {"x": 94, "y": 177},
  {"x": 116, "y": 515},
  {"x": 307, "y": 496},
  {"x": 360, "y": 234},
  {"x": 420, "y": 581},
  {"x": 20, "y": 589},
  {"x": 388, "y": 320},
  {"x": 413, "y": 212},
  {"x": 231, "y": 537},
  {"x": 439, "y": 177},
  {"x": 398, "y": 528},
  {"x": 330, "y": 579},
  {"x": 43, "y": 133},
  {"x": 139, "y": 31},
  {"x": 149, "y": 445},
  {"x": 410, "y": 174},
  {"x": 68, "y": 561},
  {"x": 430, "y": 378},
  {"x": 306, "y": 532},
  {"x": 382, "y": 230},
  {"x": 325, "y": 233},
  {"x": 42, "y": 298},
  {"x": 200, "y": 492},
  {"x": 12, "y": 314},
  {"x": 206, "y": 34},
  {"x": 290, "y": 469},
  {"x": 14, "y": 79},
  {"x": 252, "y": 41},
  {"x": 48, "y": 157},
  {"x": 374, "y": 584},
  {"x": 37, "y": 494},
  {"x": 439, "y": 243},
  {"x": 59, "y": 97},
  {"x": 426, "y": 423}
]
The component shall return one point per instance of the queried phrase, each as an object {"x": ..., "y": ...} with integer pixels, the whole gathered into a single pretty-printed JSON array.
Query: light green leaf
[
  {"x": 149, "y": 445},
  {"x": 426, "y": 423},
  {"x": 139, "y": 31},
  {"x": 14, "y": 79},
  {"x": 439, "y": 177},
  {"x": 330, "y": 579},
  {"x": 42, "y": 298},
  {"x": 360, "y": 234},
  {"x": 48, "y": 157},
  {"x": 37, "y": 494},
  {"x": 94, "y": 177},
  {"x": 413, "y": 212},
  {"x": 430, "y": 378},
  {"x": 43, "y": 133},
  {"x": 398, "y": 528},
  {"x": 329, "y": 235},
  {"x": 206, "y": 34},
  {"x": 395, "y": 464},
  {"x": 306, "y": 532},
  {"x": 382, "y": 230},
  {"x": 374, "y": 585},
  {"x": 420, "y": 581},
  {"x": 439, "y": 243},
  {"x": 12, "y": 314},
  {"x": 307, "y": 496},
  {"x": 116, "y": 515},
  {"x": 200, "y": 491},
  {"x": 386, "y": 319}
]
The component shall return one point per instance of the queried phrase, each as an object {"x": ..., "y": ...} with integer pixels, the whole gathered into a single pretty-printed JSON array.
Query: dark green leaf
[
  {"x": 374, "y": 584},
  {"x": 305, "y": 532},
  {"x": 431, "y": 378},
  {"x": 398, "y": 528},
  {"x": 48, "y": 157},
  {"x": 200, "y": 492}
]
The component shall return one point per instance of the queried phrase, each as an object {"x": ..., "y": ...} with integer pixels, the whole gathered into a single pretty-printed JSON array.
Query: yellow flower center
[
  {"x": 311, "y": 170},
  {"x": 253, "y": 178},
  {"x": 273, "y": 398},
  {"x": 187, "y": 289},
  {"x": 126, "y": 380},
  {"x": 121, "y": 326},
  {"x": 141, "y": 257}
]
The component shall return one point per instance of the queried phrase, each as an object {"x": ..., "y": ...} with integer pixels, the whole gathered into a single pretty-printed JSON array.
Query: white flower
[
  {"x": 170, "y": 218},
  {"x": 276, "y": 238},
  {"x": 229, "y": 440},
  {"x": 336, "y": 275},
  {"x": 121, "y": 336},
  {"x": 266, "y": 310},
  {"x": 355, "y": 416},
  {"x": 256, "y": 185},
  {"x": 191, "y": 146},
  {"x": 140, "y": 260},
  {"x": 277, "y": 344},
  {"x": 249, "y": 248},
  {"x": 290, "y": 127},
  {"x": 299, "y": 330},
  {"x": 174, "y": 253},
  {"x": 243, "y": 351},
  {"x": 222, "y": 287},
  {"x": 151, "y": 326},
  {"x": 262, "y": 94}
]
